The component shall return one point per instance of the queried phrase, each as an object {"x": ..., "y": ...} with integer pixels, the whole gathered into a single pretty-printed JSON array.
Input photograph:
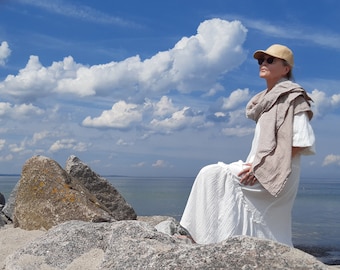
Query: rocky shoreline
[{"x": 75, "y": 219}]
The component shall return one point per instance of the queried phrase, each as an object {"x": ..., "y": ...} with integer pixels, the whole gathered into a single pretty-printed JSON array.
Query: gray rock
[
  {"x": 138, "y": 245},
  {"x": 9, "y": 206},
  {"x": 2, "y": 201},
  {"x": 171, "y": 227},
  {"x": 47, "y": 196},
  {"x": 2, "y": 220},
  {"x": 100, "y": 188}
]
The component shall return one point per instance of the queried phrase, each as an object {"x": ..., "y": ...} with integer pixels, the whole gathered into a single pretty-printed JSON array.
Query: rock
[
  {"x": 2, "y": 201},
  {"x": 138, "y": 245},
  {"x": 170, "y": 226},
  {"x": 100, "y": 188},
  {"x": 2, "y": 220},
  {"x": 9, "y": 206},
  {"x": 2, "y": 204},
  {"x": 47, "y": 196}
]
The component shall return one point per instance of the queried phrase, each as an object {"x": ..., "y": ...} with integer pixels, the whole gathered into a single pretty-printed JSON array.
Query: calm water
[{"x": 316, "y": 213}]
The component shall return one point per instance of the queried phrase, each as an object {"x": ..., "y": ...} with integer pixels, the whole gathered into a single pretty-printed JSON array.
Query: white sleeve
[{"x": 303, "y": 134}]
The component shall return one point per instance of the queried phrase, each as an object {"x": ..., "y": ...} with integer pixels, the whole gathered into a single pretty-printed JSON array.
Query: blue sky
[{"x": 156, "y": 88}]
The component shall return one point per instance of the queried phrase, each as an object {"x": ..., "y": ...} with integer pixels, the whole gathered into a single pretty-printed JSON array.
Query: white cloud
[
  {"x": 323, "y": 103},
  {"x": 81, "y": 12},
  {"x": 2, "y": 143},
  {"x": 316, "y": 36},
  {"x": 237, "y": 131},
  {"x": 15, "y": 148},
  {"x": 164, "y": 107},
  {"x": 236, "y": 98},
  {"x": 8, "y": 157},
  {"x": 121, "y": 116},
  {"x": 194, "y": 64},
  {"x": 331, "y": 159},
  {"x": 124, "y": 143},
  {"x": 335, "y": 100},
  {"x": 68, "y": 144},
  {"x": 18, "y": 111},
  {"x": 38, "y": 136},
  {"x": 5, "y": 52},
  {"x": 139, "y": 165},
  {"x": 161, "y": 164},
  {"x": 178, "y": 120}
]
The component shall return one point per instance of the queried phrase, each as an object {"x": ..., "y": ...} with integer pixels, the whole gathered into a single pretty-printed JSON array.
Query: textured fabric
[
  {"x": 274, "y": 111},
  {"x": 219, "y": 206}
]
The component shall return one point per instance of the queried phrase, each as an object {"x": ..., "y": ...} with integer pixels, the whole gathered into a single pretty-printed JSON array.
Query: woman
[{"x": 255, "y": 197}]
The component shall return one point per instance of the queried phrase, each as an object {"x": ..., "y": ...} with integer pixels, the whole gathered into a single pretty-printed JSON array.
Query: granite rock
[
  {"x": 138, "y": 245},
  {"x": 104, "y": 192},
  {"x": 46, "y": 196}
]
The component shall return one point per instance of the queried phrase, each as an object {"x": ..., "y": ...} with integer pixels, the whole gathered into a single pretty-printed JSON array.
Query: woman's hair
[{"x": 289, "y": 75}]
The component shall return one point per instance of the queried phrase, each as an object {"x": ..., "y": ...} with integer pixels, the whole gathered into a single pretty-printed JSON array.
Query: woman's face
[{"x": 272, "y": 69}]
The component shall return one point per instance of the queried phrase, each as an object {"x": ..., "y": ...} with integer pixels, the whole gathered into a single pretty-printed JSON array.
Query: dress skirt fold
[{"x": 219, "y": 206}]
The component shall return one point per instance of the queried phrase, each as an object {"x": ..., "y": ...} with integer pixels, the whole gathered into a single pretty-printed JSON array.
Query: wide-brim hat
[{"x": 278, "y": 51}]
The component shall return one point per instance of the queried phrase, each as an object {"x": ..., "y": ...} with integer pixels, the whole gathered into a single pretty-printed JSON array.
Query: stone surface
[
  {"x": 47, "y": 196},
  {"x": 138, "y": 245},
  {"x": 8, "y": 210},
  {"x": 100, "y": 188},
  {"x": 2, "y": 201}
]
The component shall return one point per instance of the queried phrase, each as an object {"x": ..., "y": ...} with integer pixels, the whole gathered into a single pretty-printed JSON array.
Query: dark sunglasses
[{"x": 269, "y": 60}]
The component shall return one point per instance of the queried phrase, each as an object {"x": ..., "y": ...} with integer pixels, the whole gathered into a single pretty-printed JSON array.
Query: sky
[{"x": 157, "y": 88}]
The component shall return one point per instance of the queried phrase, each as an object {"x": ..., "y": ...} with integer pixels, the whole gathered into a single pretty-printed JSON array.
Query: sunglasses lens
[
  {"x": 260, "y": 61},
  {"x": 270, "y": 60}
]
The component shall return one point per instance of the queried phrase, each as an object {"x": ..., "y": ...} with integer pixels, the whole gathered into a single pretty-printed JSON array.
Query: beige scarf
[{"x": 276, "y": 108}]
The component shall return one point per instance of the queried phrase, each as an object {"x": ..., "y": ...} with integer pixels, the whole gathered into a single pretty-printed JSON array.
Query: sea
[{"x": 316, "y": 212}]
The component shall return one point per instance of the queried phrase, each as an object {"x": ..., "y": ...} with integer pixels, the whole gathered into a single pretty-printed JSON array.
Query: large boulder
[
  {"x": 138, "y": 245},
  {"x": 100, "y": 188},
  {"x": 46, "y": 196}
]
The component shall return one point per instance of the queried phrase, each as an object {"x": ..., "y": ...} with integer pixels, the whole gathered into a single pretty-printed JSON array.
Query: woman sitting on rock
[{"x": 256, "y": 197}]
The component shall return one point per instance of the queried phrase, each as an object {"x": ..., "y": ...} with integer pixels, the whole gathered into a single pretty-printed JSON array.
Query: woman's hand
[{"x": 247, "y": 176}]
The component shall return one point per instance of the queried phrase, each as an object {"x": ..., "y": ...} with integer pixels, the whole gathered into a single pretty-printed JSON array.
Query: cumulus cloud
[
  {"x": 38, "y": 136},
  {"x": 236, "y": 98},
  {"x": 5, "y": 52},
  {"x": 184, "y": 118},
  {"x": 18, "y": 111},
  {"x": 194, "y": 64},
  {"x": 164, "y": 107},
  {"x": 323, "y": 104},
  {"x": 121, "y": 116},
  {"x": 68, "y": 144},
  {"x": 16, "y": 148},
  {"x": 331, "y": 159}
]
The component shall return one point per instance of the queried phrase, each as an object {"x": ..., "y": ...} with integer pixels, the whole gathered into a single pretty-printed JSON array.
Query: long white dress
[{"x": 219, "y": 206}]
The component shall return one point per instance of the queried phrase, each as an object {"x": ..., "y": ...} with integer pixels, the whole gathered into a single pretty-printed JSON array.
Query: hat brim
[{"x": 258, "y": 54}]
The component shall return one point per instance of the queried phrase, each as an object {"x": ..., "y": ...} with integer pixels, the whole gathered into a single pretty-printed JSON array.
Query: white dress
[{"x": 219, "y": 206}]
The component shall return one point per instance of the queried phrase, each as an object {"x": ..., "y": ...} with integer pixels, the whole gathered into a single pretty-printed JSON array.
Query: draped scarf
[{"x": 275, "y": 110}]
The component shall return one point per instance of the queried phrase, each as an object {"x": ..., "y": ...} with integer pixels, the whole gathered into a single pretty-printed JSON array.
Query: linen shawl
[{"x": 276, "y": 108}]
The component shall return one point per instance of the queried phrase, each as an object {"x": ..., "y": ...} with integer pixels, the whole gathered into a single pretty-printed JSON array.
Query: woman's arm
[
  {"x": 296, "y": 150},
  {"x": 246, "y": 175}
]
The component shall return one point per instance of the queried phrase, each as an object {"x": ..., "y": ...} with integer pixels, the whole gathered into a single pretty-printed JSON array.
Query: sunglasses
[{"x": 269, "y": 60}]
